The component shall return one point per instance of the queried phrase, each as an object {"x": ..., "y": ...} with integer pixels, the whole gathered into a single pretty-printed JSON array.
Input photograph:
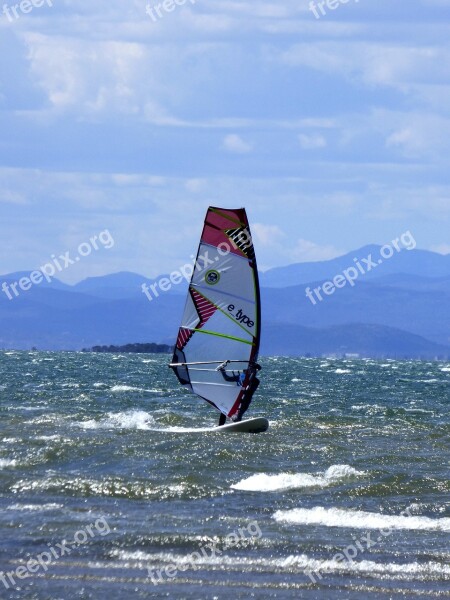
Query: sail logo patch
[{"x": 212, "y": 277}]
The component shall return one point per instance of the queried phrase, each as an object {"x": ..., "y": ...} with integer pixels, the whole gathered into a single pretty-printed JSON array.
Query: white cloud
[
  {"x": 104, "y": 85},
  {"x": 195, "y": 185},
  {"x": 12, "y": 197},
  {"x": 235, "y": 144},
  {"x": 381, "y": 64},
  {"x": 312, "y": 141},
  {"x": 267, "y": 235},
  {"x": 307, "y": 251},
  {"x": 441, "y": 248}
]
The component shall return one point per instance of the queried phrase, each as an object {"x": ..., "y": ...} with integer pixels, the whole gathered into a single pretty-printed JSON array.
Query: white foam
[
  {"x": 342, "y": 371},
  {"x": 7, "y": 462},
  {"x": 337, "y": 517},
  {"x": 133, "y": 419},
  {"x": 292, "y": 563},
  {"x": 129, "y": 388},
  {"x": 290, "y": 481},
  {"x": 34, "y": 507},
  {"x": 446, "y": 369},
  {"x": 126, "y": 388}
]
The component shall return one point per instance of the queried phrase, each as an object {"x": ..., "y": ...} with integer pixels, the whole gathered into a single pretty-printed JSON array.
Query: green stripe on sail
[{"x": 224, "y": 335}]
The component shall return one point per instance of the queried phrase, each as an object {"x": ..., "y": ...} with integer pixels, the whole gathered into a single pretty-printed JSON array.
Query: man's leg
[
  {"x": 246, "y": 400},
  {"x": 222, "y": 419}
]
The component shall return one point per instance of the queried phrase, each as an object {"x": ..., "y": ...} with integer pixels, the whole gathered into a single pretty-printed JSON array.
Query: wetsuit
[
  {"x": 235, "y": 378},
  {"x": 248, "y": 394}
]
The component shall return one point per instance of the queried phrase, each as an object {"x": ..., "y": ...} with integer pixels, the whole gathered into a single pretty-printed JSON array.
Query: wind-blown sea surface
[{"x": 106, "y": 492}]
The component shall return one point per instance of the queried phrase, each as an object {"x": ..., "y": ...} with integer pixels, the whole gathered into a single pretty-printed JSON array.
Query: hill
[{"x": 401, "y": 313}]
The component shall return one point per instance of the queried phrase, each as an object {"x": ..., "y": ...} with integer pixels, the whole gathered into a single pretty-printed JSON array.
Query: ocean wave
[
  {"x": 133, "y": 419},
  {"x": 292, "y": 563},
  {"x": 126, "y": 388},
  {"x": 290, "y": 481},
  {"x": 34, "y": 507},
  {"x": 7, "y": 462},
  {"x": 118, "y": 389},
  {"x": 354, "y": 519},
  {"x": 342, "y": 371},
  {"x": 111, "y": 487}
]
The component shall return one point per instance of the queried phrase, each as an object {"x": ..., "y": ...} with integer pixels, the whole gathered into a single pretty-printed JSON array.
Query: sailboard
[{"x": 220, "y": 331}]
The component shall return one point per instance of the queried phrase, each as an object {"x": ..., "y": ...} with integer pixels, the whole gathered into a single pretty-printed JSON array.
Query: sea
[{"x": 108, "y": 492}]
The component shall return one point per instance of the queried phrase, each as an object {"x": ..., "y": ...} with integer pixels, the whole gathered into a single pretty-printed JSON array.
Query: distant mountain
[
  {"x": 365, "y": 341},
  {"x": 121, "y": 285},
  {"x": 421, "y": 263},
  {"x": 418, "y": 311},
  {"x": 18, "y": 275},
  {"x": 403, "y": 313}
]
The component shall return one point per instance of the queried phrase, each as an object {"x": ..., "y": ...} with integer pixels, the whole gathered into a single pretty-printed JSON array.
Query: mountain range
[{"x": 398, "y": 307}]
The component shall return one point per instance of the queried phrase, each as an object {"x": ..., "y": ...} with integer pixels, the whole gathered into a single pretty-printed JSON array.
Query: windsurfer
[{"x": 239, "y": 378}]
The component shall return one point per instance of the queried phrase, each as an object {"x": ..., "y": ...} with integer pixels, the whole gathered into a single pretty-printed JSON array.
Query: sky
[{"x": 332, "y": 129}]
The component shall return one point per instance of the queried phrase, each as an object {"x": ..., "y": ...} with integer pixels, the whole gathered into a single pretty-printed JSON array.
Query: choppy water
[{"x": 352, "y": 479}]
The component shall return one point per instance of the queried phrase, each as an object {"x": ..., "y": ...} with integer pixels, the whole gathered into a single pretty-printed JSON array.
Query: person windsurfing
[{"x": 239, "y": 378}]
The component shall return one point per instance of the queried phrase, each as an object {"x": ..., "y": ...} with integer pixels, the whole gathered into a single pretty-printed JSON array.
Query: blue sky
[{"x": 333, "y": 132}]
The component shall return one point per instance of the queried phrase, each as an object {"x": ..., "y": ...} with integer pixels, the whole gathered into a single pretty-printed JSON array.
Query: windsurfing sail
[{"x": 221, "y": 324}]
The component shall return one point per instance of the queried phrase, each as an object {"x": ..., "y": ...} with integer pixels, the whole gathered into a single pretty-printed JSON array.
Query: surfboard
[
  {"x": 255, "y": 425},
  {"x": 218, "y": 341}
]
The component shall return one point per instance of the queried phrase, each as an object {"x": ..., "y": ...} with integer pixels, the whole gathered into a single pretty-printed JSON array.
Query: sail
[{"x": 222, "y": 316}]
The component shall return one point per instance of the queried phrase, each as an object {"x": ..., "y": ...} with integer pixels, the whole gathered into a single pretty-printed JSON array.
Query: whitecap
[
  {"x": 289, "y": 481},
  {"x": 355, "y": 519},
  {"x": 7, "y": 462},
  {"x": 126, "y": 388},
  {"x": 292, "y": 563},
  {"x": 34, "y": 507},
  {"x": 133, "y": 419}
]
